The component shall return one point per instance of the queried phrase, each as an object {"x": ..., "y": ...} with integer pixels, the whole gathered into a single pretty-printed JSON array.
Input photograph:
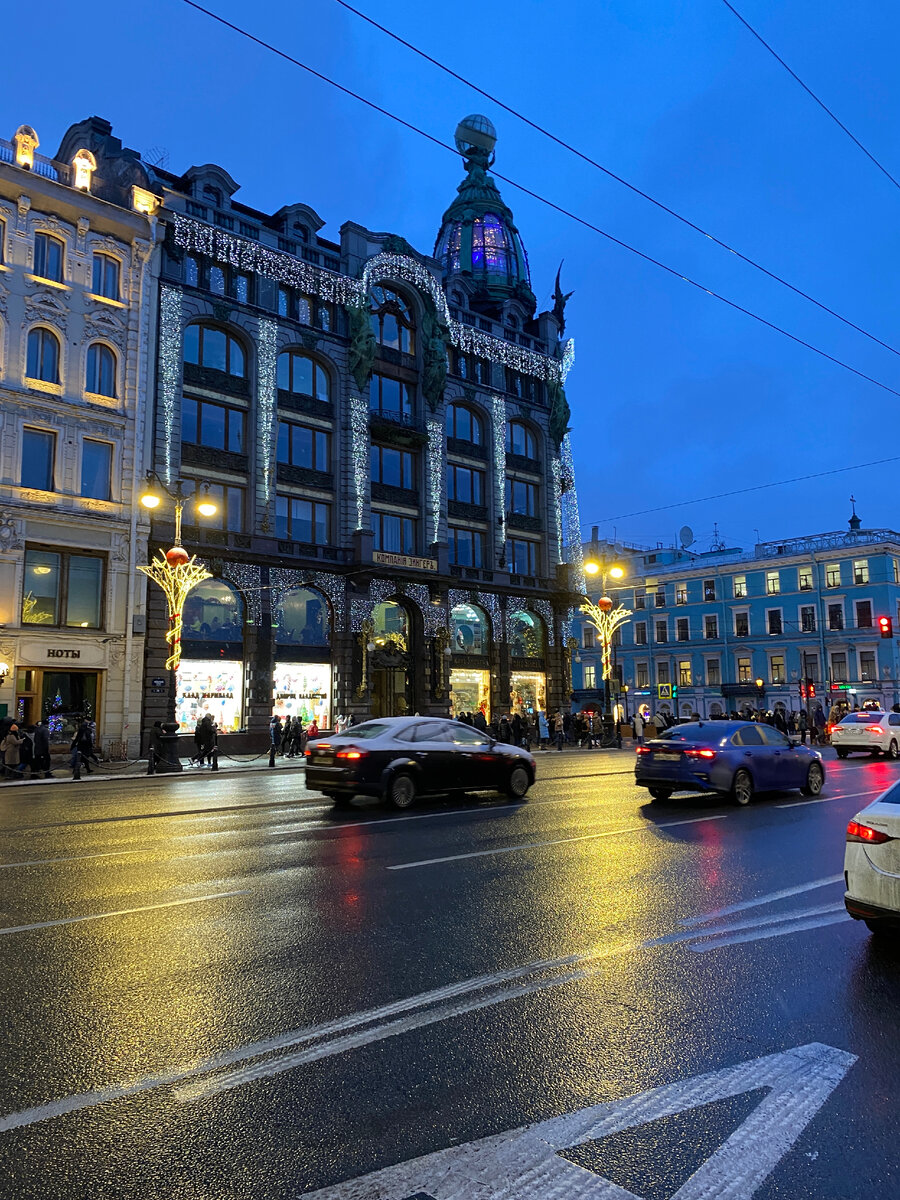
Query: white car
[
  {"x": 868, "y": 732},
  {"x": 872, "y": 864}
]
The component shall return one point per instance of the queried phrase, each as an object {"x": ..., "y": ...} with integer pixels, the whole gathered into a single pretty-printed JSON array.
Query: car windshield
[
  {"x": 370, "y": 729},
  {"x": 690, "y": 733},
  {"x": 862, "y": 718}
]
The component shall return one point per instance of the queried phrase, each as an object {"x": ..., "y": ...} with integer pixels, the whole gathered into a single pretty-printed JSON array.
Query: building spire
[{"x": 855, "y": 522}]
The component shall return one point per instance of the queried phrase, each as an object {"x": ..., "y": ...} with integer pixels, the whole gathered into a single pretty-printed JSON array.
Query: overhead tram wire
[
  {"x": 618, "y": 178},
  {"x": 793, "y": 74},
  {"x": 758, "y": 487},
  {"x": 541, "y": 199}
]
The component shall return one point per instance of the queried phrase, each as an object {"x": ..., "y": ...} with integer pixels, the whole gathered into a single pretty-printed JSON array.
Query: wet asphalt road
[{"x": 215, "y": 989}]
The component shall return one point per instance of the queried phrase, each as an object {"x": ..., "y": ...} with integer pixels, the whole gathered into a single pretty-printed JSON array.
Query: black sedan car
[{"x": 400, "y": 758}]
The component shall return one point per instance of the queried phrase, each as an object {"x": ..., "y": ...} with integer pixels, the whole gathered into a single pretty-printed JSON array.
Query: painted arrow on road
[{"x": 526, "y": 1163}]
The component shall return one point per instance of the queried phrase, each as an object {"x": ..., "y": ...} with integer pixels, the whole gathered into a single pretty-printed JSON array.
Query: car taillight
[
  {"x": 642, "y": 749},
  {"x": 865, "y": 833},
  {"x": 874, "y": 729},
  {"x": 828, "y": 729},
  {"x": 351, "y": 753},
  {"x": 700, "y": 753}
]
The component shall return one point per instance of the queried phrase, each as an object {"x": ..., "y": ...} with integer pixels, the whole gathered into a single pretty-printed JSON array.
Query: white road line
[
  {"x": 122, "y": 912},
  {"x": 828, "y": 799},
  {"x": 767, "y": 899},
  {"x": 778, "y": 931},
  {"x": 693, "y": 935},
  {"x": 41, "y": 862},
  {"x": 584, "y": 837}
]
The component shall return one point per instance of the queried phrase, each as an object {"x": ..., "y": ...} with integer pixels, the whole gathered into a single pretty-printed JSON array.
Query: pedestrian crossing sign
[{"x": 664, "y": 691}]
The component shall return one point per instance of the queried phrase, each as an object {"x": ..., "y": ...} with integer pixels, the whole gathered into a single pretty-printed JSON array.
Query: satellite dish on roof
[{"x": 686, "y": 536}]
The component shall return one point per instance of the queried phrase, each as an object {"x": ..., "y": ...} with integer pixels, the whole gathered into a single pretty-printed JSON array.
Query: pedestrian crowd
[{"x": 25, "y": 749}]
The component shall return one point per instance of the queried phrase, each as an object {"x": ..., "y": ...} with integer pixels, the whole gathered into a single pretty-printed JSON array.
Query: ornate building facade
[
  {"x": 76, "y": 249},
  {"x": 384, "y": 433}
]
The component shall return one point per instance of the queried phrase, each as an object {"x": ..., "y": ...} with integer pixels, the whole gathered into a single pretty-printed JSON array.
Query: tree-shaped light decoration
[
  {"x": 176, "y": 572},
  {"x": 606, "y": 620}
]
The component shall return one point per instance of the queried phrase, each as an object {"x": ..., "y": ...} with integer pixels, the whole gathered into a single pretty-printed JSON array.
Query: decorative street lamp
[
  {"x": 174, "y": 570},
  {"x": 606, "y": 619}
]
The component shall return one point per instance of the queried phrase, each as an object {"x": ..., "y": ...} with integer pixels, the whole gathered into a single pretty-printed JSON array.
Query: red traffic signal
[{"x": 886, "y": 625}]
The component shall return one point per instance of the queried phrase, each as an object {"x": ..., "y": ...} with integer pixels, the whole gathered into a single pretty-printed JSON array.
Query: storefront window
[
  {"x": 303, "y": 690},
  {"x": 469, "y": 630},
  {"x": 213, "y": 613},
  {"x": 391, "y": 625},
  {"x": 469, "y": 692},
  {"x": 528, "y": 692},
  {"x": 302, "y": 619},
  {"x": 67, "y": 698},
  {"x": 526, "y": 638},
  {"x": 213, "y": 687}
]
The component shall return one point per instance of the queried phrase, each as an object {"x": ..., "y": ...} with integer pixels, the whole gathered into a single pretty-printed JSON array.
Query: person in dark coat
[
  {"x": 275, "y": 731},
  {"x": 516, "y": 724},
  {"x": 40, "y": 763},
  {"x": 83, "y": 747},
  {"x": 479, "y": 721},
  {"x": 207, "y": 739},
  {"x": 505, "y": 730},
  {"x": 12, "y": 752}
]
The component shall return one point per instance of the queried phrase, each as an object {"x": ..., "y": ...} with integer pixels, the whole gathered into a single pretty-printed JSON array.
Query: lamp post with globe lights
[{"x": 606, "y": 617}]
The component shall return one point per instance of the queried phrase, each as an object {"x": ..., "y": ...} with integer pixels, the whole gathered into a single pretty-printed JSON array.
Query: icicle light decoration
[
  {"x": 267, "y": 356},
  {"x": 359, "y": 452},
  {"x": 498, "y": 428},
  {"x": 436, "y": 473},
  {"x": 170, "y": 355}
]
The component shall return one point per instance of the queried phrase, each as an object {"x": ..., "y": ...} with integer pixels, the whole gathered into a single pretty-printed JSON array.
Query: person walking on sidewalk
[
  {"x": 559, "y": 731},
  {"x": 206, "y": 739},
  {"x": 275, "y": 732},
  {"x": 40, "y": 763},
  {"x": 638, "y": 728},
  {"x": 12, "y": 753},
  {"x": 83, "y": 747}
]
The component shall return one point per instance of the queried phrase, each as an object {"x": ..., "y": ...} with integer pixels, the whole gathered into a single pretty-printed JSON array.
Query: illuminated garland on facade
[
  {"x": 571, "y": 520},
  {"x": 267, "y": 361},
  {"x": 197, "y": 237},
  {"x": 543, "y": 609},
  {"x": 170, "y": 355},
  {"x": 359, "y": 452},
  {"x": 568, "y": 359},
  {"x": 498, "y": 415},
  {"x": 436, "y": 473},
  {"x": 556, "y": 473},
  {"x": 248, "y": 578},
  {"x": 334, "y": 587},
  {"x": 434, "y": 616}
]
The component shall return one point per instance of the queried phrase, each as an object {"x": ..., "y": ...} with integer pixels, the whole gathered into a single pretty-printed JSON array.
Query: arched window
[
  {"x": 392, "y": 321},
  {"x": 526, "y": 635},
  {"x": 208, "y": 346},
  {"x": 302, "y": 376},
  {"x": 520, "y": 440},
  {"x": 43, "y": 356},
  {"x": 391, "y": 625},
  {"x": 303, "y": 619},
  {"x": 100, "y": 377},
  {"x": 469, "y": 632},
  {"x": 464, "y": 424},
  {"x": 213, "y": 612}
]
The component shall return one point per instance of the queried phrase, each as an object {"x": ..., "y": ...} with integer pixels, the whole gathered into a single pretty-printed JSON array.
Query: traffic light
[
  {"x": 886, "y": 625},
  {"x": 674, "y": 691},
  {"x": 810, "y": 688},
  {"x": 802, "y": 691}
]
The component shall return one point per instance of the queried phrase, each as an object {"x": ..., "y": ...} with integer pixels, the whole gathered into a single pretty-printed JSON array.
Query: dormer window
[
  {"x": 512, "y": 322},
  {"x": 212, "y": 195},
  {"x": 302, "y": 232},
  {"x": 83, "y": 166}
]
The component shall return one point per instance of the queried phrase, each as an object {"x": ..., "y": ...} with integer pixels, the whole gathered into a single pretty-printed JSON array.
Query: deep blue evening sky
[{"x": 673, "y": 395}]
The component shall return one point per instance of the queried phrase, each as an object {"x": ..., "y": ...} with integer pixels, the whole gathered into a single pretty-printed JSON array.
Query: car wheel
[
  {"x": 401, "y": 792},
  {"x": 841, "y": 753},
  {"x": 815, "y": 780},
  {"x": 893, "y": 749},
  {"x": 742, "y": 787},
  {"x": 518, "y": 783},
  {"x": 659, "y": 793},
  {"x": 881, "y": 929}
]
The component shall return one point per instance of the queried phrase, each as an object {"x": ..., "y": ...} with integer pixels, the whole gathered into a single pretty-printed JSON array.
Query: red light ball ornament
[
  {"x": 604, "y": 604},
  {"x": 177, "y": 556}
]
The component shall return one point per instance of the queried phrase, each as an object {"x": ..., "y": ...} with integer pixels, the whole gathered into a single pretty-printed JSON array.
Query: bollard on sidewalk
[
  {"x": 151, "y": 762},
  {"x": 272, "y": 755},
  {"x": 76, "y": 767},
  {"x": 215, "y": 758}
]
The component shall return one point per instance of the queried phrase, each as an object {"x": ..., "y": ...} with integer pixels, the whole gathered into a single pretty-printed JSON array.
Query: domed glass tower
[{"x": 478, "y": 238}]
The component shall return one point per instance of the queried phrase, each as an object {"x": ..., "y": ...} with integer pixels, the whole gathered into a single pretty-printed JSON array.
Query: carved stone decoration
[
  {"x": 10, "y": 533},
  {"x": 119, "y": 548},
  {"x": 4, "y": 294},
  {"x": 434, "y": 362},
  {"x": 362, "y": 345},
  {"x": 82, "y": 228},
  {"x": 107, "y": 325},
  {"x": 23, "y": 204},
  {"x": 44, "y": 306}
]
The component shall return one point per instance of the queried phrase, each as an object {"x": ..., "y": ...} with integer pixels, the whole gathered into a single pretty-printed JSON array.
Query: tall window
[
  {"x": 100, "y": 376},
  {"x": 681, "y": 593},
  {"x": 777, "y": 669},
  {"x": 229, "y": 500},
  {"x": 296, "y": 305},
  {"x": 520, "y": 440},
  {"x": 466, "y": 547},
  {"x": 861, "y": 570},
  {"x": 106, "y": 276},
  {"x": 711, "y": 626},
  {"x": 773, "y": 583},
  {"x": 394, "y": 534},
  {"x": 867, "y": 671},
  {"x": 588, "y": 637},
  {"x": 301, "y": 446},
  {"x": 62, "y": 589},
  {"x": 709, "y": 589},
  {"x": 773, "y": 620},
  {"x": 640, "y": 633},
  {"x": 391, "y": 398},
  {"x": 302, "y": 376},
  {"x": 833, "y": 575},
  {"x": 811, "y": 667},
  {"x": 684, "y": 673},
  {"x": 522, "y": 556},
  {"x": 682, "y": 629},
  {"x": 2, "y": 242},
  {"x": 742, "y": 624},
  {"x": 864, "y": 614},
  {"x": 464, "y": 424},
  {"x": 302, "y": 520},
  {"x": 835, "y": 616},
  {"x": 662, "y": 631},
  {"x": 808, "y": 619},
  {"x": 839, "y": 667},
  {"x": 713, "y": 672},
  {"x": 642, "y": 675},
  {"x": 393, "y": 467},
  {"x": 465, "y": 484},
  {"x": 739, "y": 585},
  {"x": 38, "y": 454},
  {"x": 662, "y": 672},
  {"x": 521, "y": 497},
  {"x": 96, "y": 469},
  {"x": 745, "y": 670},
  {"x": 207, "y": 346},
  {"x": 43, "y": 356},
  {"x": 805, "y": 579},
  {"x": 392, "y": 321},
  {"x": 49, "y": 255},
  {"x": 589, "y": 675},
  {"x": 204, "y": 423}
]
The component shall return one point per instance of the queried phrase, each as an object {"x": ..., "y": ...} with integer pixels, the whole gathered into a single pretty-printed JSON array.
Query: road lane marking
[
  {"x": 41, "y": 862},
  {"x": 828, "y": 799},
  {"x": 583, "y": 837},
  {"x": 122, "y": 912},
  {"x": 742, "y": 905},
  {"x": 760, "y": 933},
  {"x": 527, "y": 1162},
  {"x": 758, "y": 922}
]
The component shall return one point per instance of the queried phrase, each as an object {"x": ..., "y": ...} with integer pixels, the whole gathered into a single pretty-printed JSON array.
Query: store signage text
[
  {"x": 64, "y": 654},
  {"x": 405, "y": 560},
  {"x": 208, "y": 696}
]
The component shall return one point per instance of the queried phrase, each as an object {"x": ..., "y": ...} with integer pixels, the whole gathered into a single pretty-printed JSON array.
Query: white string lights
[
  {"x": 498, "y": 427},
  {"x": 170, "y": 353},
  {"x": 334, "y": 587},
  {"x": 435, "y": 474},
  {"x": 359, "y": 451},
  {"x": 248, "y": 577},
  {"x": 267, "y": 355},
  {"x": 570, "y": 518}
]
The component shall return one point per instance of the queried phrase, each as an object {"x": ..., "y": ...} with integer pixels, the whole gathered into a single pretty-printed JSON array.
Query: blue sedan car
[{"x": 736, "y": 758}]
